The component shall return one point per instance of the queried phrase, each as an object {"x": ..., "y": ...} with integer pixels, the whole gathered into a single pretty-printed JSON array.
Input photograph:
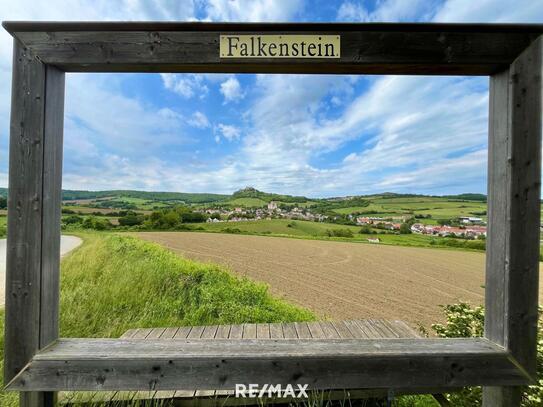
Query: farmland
[{"x": 344, "y": 280}]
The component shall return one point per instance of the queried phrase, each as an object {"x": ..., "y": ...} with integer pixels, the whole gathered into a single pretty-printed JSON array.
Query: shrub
[
  {"x": 131, "y": 219},
  {"x": 70, "y": 220},
  {"x": 98, "y": 224},
  {"x": 405, "y": 229},
  {"x": 339, "y": 233},
  {"x": 231, "y": 230},
  {"x": 463, "y": 321}
]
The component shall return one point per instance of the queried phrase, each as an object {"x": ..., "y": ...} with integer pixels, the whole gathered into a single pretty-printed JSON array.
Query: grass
[
  {"x": 3, "y": 225},
  {"x": 114, "y": 283},
  {"x": 247, "y": 202},
  {"x": 438, "y": 208},
  {"x": 317, "y": 230}
]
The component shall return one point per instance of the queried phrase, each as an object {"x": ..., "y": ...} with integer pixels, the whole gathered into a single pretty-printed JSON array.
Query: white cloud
[
  {"x": 387, "y": 11},
  {"x": 231, "y": 90},
  {"x": 199, "y": 120},
  {"x": 252, "y": 10},
  {"x": 229, "y": 132},
  {"x": 186, "y": 85},
  {"x": 503, "y": 11}
]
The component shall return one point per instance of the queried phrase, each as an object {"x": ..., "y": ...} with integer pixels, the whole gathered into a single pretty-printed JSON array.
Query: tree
[
  {"x": 405, "y": 229},
  {"x": 131, "y": 219},
  {"x": 3, "y": 202}
]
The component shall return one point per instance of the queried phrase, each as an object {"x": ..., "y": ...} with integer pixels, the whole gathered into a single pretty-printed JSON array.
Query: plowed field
[{"x": 344, "y": 280}]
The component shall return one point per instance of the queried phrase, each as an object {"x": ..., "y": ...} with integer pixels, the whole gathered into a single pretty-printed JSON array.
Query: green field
[
  {"x": 437, "y": 207},
  {"x": 278, "y": 227},
  {"x": 318, "y": 230},
  {"x": 246, "y": 202}
]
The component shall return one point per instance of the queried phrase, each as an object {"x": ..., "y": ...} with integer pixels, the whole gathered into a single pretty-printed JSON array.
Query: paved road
[{"x": 67, "y": 243}]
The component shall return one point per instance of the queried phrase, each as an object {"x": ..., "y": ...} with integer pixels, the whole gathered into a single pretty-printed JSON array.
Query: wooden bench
[{"x": 354, "y": 329}]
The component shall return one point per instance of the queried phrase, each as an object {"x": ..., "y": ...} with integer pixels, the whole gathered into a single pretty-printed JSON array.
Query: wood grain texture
[
  {"x": 33, "y": 255},
  {"x": 130, "y": 364},
  {"x": 365, "y": 49},
  {"x": 514, "y": 215}
]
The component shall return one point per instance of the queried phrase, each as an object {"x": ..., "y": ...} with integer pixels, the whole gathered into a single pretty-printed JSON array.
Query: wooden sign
[{"x": 280, "y": 46}]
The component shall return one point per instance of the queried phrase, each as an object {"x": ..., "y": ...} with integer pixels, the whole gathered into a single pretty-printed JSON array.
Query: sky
[{"x": 312, "y": 135}]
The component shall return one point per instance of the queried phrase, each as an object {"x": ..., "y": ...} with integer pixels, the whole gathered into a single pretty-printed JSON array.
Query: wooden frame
[{"x": 37, "y": 363}]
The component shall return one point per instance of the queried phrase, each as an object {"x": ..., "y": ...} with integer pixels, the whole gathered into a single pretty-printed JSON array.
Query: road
[{"x": 67, "y": 244}]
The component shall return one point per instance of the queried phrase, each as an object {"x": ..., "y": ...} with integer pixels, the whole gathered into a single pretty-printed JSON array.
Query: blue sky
[{"x": 307, "y": 135}]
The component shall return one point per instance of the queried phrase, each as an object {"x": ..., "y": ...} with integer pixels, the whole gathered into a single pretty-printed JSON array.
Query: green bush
[
  {"x": 231, "y": 230},
  {"x": 95, "y": 223},
  {"x": 463, "y": 321},
  {"x": 339, "y": 233},
  {"x": 131, "y": 219},
  {"x": 73, "y": 219}
]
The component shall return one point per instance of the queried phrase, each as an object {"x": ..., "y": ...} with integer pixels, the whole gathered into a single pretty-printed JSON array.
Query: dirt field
[{"x": 344, "y": 280}]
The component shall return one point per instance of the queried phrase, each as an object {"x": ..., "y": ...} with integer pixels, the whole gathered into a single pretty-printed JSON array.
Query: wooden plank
[
  {"x": 182, "y": 332},
  {"x": 223, "y": 332},
  {"x": 236, "y": 331},
  {"x": 389, "y": 50},
  {"x": 406, "y": 329},
  {"x": 155, "y": 333},
  {"x": 276, "y": 331},
  {"x": 33, "y": 247},
  {"x": 142, "y": 333},
  {"x": 76, "y": 364},
  {"x": 169, "y": 333},
  {"x": 263, "y": 331},
  {"x": 368, "y": 329},
  {"x": 514, "y": 191},
  {"x": 209, "y": 332},
  {"x": 128, "y": 334},
  {"x": 302, "y": 330},
  {"x": 23, "y": 269},
  {"x": 249, "y": 331},
  {"x": 382, "y": 329},
  {"x": 316, "y": 330},
  {"x": 342, "y": 329},
  {"x": 329, "y": 330},
  {"x": 289, "y": 331},
  {"x": 51, "y": 206},
  {"x": 355, "y": 330},
  {"x": 196, "y": 332}
]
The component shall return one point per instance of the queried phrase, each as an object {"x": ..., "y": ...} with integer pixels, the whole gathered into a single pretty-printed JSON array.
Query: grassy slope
[
  {"x": 246, "y": 202},
  {"x": 114, "y": 283}
]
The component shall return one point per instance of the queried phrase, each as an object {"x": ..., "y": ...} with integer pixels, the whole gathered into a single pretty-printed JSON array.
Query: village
[
  {"x": 271, "y": 211},
  {"x": 463, "y": 227}
]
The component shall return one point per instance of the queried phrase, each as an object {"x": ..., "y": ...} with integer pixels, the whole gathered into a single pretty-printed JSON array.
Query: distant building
[
  {"x": 374, "y": 240},
  {"x": 470, "y": 220},
  {"x": 272, "y": 206}
]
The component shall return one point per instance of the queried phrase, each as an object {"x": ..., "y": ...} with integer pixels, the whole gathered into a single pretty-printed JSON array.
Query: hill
[{"x": 250, "y": 192}]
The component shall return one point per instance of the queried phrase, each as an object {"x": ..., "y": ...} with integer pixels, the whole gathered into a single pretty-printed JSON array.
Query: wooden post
[
  {"x": 33, "y": 246},
  {"x": 514, "y": 193}
]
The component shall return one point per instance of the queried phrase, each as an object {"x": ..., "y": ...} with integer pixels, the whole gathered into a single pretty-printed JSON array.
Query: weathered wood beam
[
  {"x": 365, "y": 49},
  {"x": 514, "y": 193},
  {"x": 33, "y": 251},
  {"x": 130, "y": 364}
]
